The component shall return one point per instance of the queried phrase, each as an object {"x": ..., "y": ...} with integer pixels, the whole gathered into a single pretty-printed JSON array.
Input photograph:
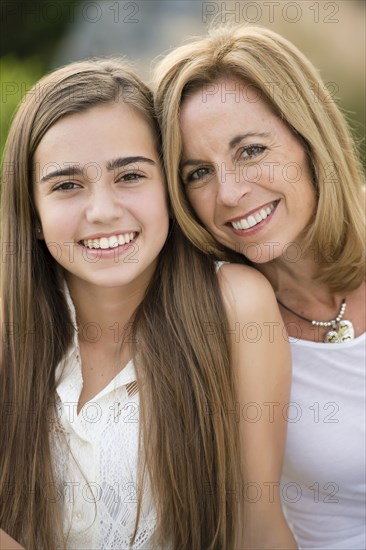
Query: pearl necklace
[{"x": 341, "y": 330}]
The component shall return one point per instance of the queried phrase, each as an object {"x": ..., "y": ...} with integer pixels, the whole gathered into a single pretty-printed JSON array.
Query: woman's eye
[
  {"x": 251, "y": 151},
  {"x": 66, "y": 186},
  {"x": 201, "y": 175}
]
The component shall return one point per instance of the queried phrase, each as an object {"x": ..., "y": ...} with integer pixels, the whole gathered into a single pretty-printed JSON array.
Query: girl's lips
[
  {"x": 109, "y": 241},
  {"x": 106, "y": 253}
]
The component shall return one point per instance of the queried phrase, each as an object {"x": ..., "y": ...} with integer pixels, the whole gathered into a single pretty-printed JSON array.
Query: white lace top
[{"x": 95, "y": 460}]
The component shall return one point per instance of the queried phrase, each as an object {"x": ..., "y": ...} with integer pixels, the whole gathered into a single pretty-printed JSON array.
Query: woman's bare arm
[
  {"x": 262, "y": 373},
  {"x": 7, "y": 543}
]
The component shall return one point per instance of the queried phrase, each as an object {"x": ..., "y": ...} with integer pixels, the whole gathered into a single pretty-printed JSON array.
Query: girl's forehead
[
  {"x": 92, "y": 128},
  {"x": 96, "y": 112},
  {"x": 95, "y": 138}
]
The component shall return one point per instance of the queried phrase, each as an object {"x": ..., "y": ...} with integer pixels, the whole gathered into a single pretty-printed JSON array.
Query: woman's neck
[{"x": 297, "y": 281}]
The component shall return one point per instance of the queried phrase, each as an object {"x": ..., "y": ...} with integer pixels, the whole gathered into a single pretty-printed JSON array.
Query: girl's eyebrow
[
  {"x": 75, "y": 170},
  {"x": 120, "y": 162}
]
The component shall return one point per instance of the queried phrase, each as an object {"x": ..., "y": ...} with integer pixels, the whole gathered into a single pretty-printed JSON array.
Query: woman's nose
[{"x": 232, "y": 185}]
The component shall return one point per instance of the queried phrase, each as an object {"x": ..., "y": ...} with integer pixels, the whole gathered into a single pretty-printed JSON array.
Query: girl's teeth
[
  {"x": 109, "y": 242},
  {"x": 268, "y": 210},
  {"x": 103, "y": 243},
  {"x": 113, "y": 241}
]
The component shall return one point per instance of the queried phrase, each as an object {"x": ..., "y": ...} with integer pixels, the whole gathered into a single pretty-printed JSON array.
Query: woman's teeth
[
  {"x": 109, "y": 242},
  {"x": 254, "y": 218}
]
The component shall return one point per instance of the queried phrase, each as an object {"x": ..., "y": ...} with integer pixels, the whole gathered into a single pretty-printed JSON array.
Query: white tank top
[{"x": 323, "y": 482}]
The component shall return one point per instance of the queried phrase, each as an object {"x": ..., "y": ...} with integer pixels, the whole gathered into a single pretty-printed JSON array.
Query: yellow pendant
[{"x": 344, "y": 333}]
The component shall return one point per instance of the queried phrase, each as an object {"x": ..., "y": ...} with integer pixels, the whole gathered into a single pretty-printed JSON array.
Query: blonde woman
[
  {"x": 127, "y": 398},
  {"x": 261, "y": 168}
]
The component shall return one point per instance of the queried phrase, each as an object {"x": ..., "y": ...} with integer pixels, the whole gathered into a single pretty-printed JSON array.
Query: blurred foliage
[
  {"x": 34, "y": 27},
  {"x": 17, "y": 77},
  {"x": 30, "y": 35},
  {"x": 31, "y": 32}
]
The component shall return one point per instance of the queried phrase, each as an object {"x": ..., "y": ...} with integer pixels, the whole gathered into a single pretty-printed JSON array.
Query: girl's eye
[
  {"x": 130, "y": 177},
  {"x": 199, "y": 176},
  {"x": 251, "y": 151},
  {"x": 66, "y": 186}
]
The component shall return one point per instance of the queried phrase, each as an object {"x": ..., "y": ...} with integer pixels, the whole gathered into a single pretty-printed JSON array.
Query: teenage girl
[{"x": 136, "y": 378}]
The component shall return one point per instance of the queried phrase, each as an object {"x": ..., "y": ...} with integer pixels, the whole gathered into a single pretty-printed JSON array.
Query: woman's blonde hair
[
  {"x": 191, "y": 456},
  {"x": 291, "y": 86}
]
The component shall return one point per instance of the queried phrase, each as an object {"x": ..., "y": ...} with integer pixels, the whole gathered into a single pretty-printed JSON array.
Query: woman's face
[
  {"x": 100, "y": 195},
  {"x": 245, "y": 174}
]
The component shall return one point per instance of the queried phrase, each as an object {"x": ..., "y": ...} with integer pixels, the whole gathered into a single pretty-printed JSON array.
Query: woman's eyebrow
[
  {"x": 76, "y": 170},
  {"x": 240, "y": 137},
  {"x": 191, "y": 162},
  {"x": 232, "y": 143}
]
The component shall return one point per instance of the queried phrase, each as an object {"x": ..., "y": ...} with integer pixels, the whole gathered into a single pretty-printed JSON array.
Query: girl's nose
[{"x": 104, "y": 205}]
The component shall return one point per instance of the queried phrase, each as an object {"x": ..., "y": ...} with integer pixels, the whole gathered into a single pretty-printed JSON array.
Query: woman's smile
[
  {"x": 254, "y": 220},
  {"x": 252, "y": 184}
]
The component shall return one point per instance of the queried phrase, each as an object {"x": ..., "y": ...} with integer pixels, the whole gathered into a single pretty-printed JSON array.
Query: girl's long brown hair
[{"x": 190, "y": 446}]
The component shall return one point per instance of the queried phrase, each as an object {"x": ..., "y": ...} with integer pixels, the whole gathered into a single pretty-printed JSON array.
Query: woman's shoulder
[
  {"x": 246, "y": 292},
  {"x": 242, "y": 280},
  {"x": 235, "y": 272},
  {"x": 8, "y": 542}
]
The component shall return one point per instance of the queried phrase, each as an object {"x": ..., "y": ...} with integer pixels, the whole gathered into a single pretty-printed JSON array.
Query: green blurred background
[{"x": 39, "y": 35}]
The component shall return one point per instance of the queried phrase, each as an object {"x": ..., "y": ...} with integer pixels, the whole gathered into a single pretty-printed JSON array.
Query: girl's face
[
  {"x": 100, "y": 195},
  {"x": 245, "y": 174}
]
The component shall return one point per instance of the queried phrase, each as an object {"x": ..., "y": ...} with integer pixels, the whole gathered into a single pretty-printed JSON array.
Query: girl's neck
[{"x": 104, "y": 315}]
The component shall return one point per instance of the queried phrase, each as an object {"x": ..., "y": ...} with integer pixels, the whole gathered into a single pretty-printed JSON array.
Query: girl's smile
[
  {"x": 100, "y": 195},
  {"x": 105, "y": 242},
  {"x": 114, "y": 245}
]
